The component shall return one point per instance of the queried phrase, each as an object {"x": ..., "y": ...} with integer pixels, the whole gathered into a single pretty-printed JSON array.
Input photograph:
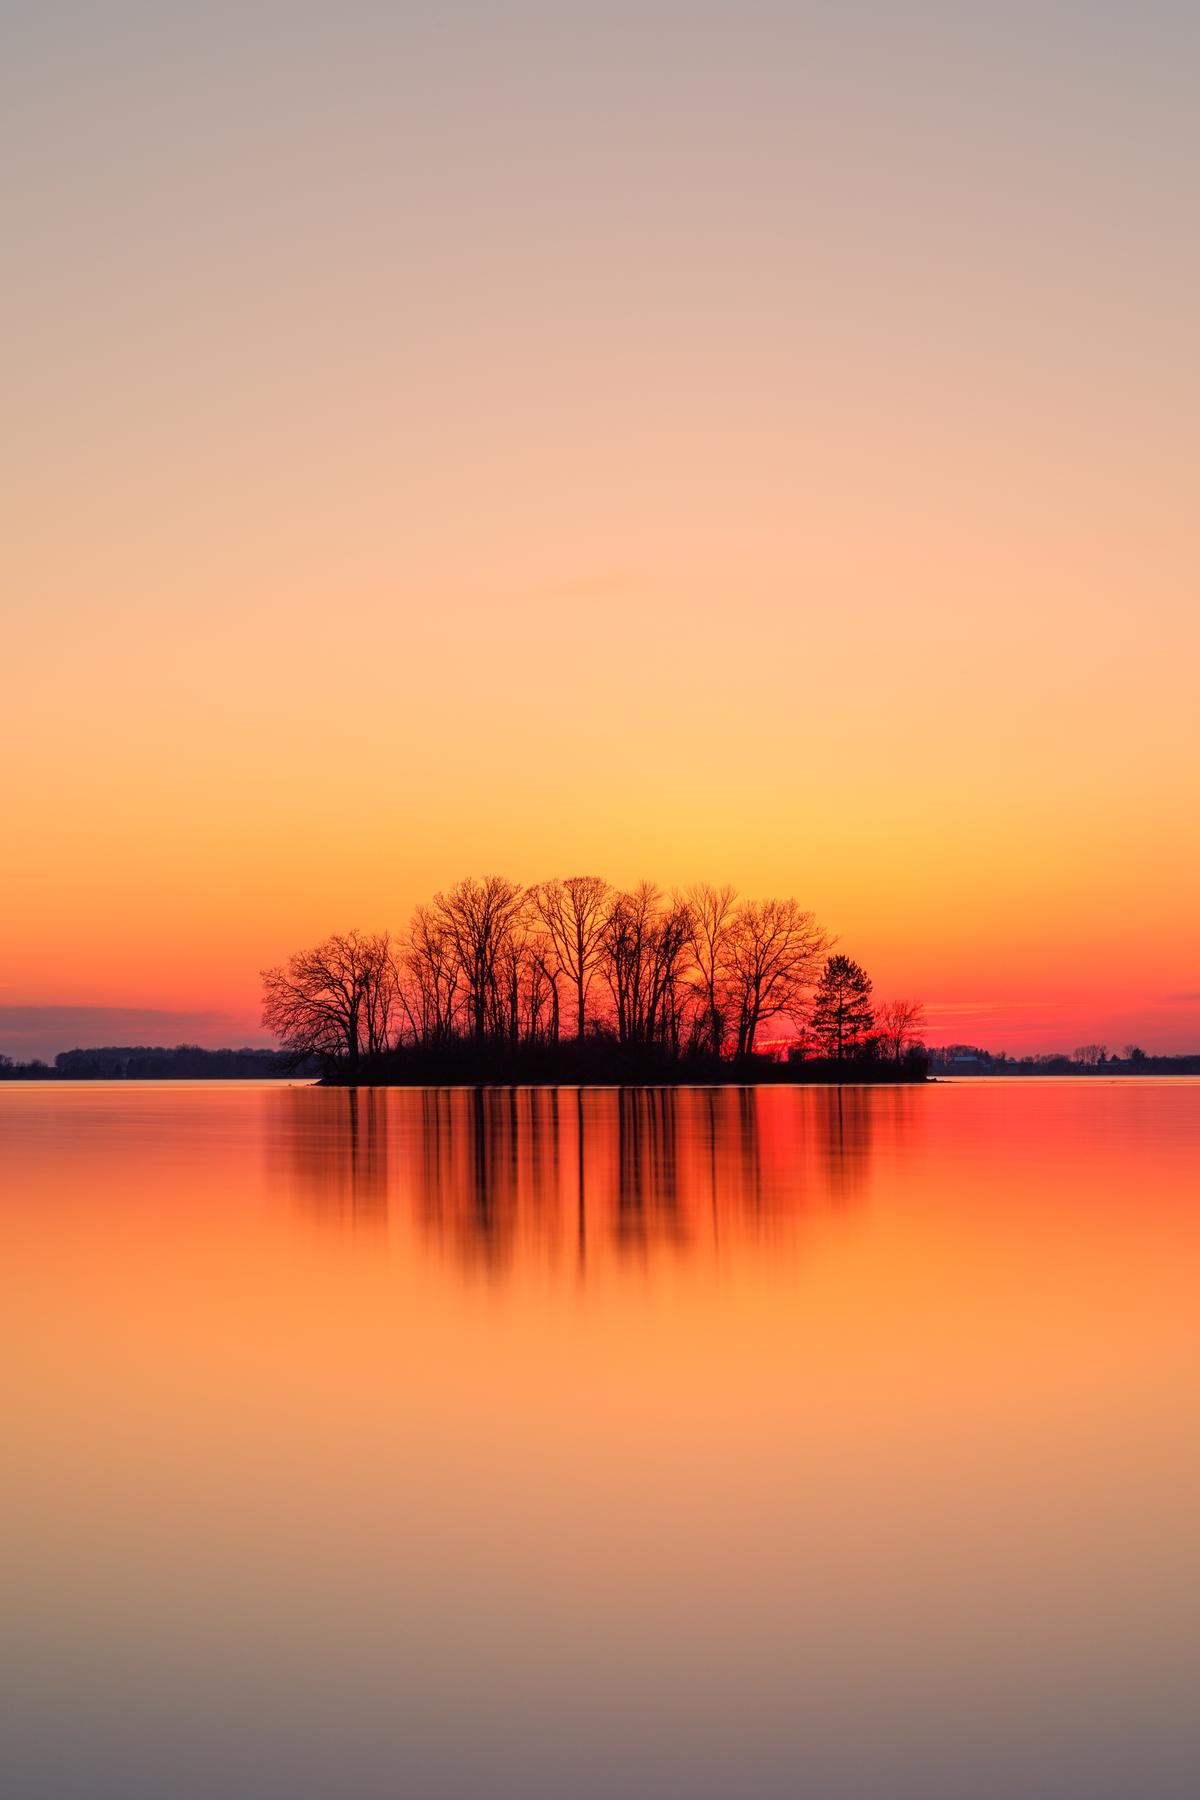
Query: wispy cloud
[{"x": 969, "y": 1008}]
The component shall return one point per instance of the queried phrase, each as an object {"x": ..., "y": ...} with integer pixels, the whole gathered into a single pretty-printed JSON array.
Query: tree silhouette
[
  {"x": 712, "y": 922},
  {"x": 773, "y": 951},
  {"x": 574, "y": 913},
  {"x": 899, "y": 1024},
  {"x": 841, "y": 1016},
  {"x": 431, "y": 994},
  {"x": 336, "y": 1000},
  {"x": 478, "y": 917},
  {"x": 643, "y": 957}
]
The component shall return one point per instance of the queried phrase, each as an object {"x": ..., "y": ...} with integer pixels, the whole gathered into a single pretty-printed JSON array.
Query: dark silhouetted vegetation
[
  {"x": 185, "y": 1062},
  {"x": 36, "y": 1070},
  {"x": 575, "y": 980},
  {"x": 841, "y": 1019},
  {"x": 1089, "y": 1059}
]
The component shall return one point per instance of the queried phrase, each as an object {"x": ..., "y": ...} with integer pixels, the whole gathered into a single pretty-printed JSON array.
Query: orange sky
[{"x": 676, "y": 442}]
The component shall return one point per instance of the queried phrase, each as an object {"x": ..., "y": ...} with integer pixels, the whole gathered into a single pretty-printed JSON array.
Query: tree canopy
[
  {"x": 491, "y": 963},
  {"x": 841, "y": 1018}
]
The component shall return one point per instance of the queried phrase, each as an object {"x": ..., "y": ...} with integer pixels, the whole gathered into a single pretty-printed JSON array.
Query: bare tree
[
  {"x": 711, "y": 917},
  {"x": 574, "y": 913},
  {"x": 774, "y": 948},
  {"x": 645, "y": 945},
  {"x": 527, "y": 972},
  {"x": 678, "y": 1013},
  {"x": 505, "y": 1008},
  {"x": 627, "y": 926},
  {"x": 336, "y": 1000},
  {"x": 479, "y": 916},
  {"x": 431, "y": 993},
  {"x": 899, "y": 1024},
  {"x": 543, "y": 973},
  {"x": 381, "y": 995}
]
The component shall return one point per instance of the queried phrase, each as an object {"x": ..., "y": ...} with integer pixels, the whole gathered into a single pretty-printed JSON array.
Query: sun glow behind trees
[{"x": 495, "y": 964}]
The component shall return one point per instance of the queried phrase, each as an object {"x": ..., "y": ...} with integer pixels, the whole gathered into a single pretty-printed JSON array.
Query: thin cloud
[{"x": 962, "y": 1008}]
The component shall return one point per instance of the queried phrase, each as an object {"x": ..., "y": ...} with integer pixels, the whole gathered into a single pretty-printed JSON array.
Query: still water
[{"x": 712, "y": 1443}]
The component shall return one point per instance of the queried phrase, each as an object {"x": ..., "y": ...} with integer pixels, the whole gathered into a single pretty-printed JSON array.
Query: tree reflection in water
[{"x": 565, "y": 1176}]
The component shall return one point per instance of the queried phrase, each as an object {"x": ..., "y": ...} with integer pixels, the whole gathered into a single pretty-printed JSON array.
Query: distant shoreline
[
  {"x": 464, "y": 1064},
  {"x": 572, "y": 1065},
  {"x": 154, "y": 1062}
]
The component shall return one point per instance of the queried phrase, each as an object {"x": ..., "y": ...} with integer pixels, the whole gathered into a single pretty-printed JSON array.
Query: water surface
[{"x": 701, "y": 1443}]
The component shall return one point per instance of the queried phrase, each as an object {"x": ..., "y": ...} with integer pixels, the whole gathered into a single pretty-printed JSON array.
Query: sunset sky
[{"x": 747, "y": 442}]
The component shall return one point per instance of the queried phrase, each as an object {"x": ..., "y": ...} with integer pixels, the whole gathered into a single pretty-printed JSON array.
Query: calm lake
[{"x": 776, "y": 1442}]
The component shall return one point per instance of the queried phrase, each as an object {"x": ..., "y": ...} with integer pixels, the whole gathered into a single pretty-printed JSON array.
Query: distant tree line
[
  {"x": 1087, "y": 1059},
  {"x": 575, "y": 974},
  {"x": 143, "y": 1062}
]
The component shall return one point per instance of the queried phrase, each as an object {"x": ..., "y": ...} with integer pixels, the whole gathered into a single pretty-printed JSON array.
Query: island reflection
[{"x": 568, "y": 1175}]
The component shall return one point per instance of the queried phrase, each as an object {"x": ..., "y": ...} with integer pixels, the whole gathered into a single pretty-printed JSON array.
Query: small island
[{"x": 575, "y": 981}]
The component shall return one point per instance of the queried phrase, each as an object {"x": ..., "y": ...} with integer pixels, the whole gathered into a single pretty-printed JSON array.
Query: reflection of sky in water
[{"x": 709, "y": 1443}]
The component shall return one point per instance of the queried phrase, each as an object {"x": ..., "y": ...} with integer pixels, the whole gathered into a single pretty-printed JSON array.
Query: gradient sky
[{"x": 754, "y": 442}]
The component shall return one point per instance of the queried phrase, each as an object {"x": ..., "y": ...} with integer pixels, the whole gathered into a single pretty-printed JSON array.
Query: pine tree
[{"x": 841, "y": 1015}]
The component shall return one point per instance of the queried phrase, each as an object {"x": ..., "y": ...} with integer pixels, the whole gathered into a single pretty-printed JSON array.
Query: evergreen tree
[{"x": 841, "y": 1016}]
